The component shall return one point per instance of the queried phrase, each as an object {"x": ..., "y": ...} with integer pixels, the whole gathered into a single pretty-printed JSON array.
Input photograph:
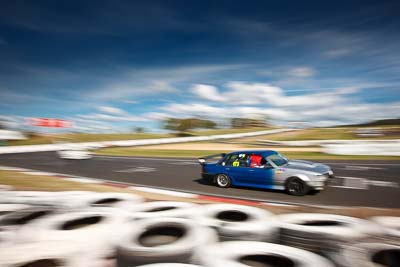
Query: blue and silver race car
[{"x": 265, "y": 169}]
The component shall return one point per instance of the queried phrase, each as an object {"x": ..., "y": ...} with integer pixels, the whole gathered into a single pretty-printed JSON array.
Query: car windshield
[{"x": 278, "y": 159}]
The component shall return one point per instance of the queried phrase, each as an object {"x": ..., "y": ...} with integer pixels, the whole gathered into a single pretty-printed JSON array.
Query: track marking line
[
  {"x": 84, "y": 180},
  {"x": 229, "y": 200},
  {"x": 383, "y": 183},
  {"x": 6, "y": 168},
  {"x": 361, "y": 168},
  {"x": 184, "y": 163},
  {"x": 363, "y": 183},
  {"x": 135, "y": 158},
  {"x": 277, "y": 204},
  {"x": 347, "y": 187},
  {"x": 163, "y": 191},
  {"x": 38, "y": 173},
  {"x": 137, "y": 169}
]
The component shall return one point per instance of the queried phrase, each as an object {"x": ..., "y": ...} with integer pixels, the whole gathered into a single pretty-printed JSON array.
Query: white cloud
[
  {"x": 112, "y": 110},
  {"x": 112, "y": 114},
  {"x": 113, "y": 118},
  {"x": 240, "y": 93},
  {"x": 335, "y": 53},
  {"x": 156, "y": 116},
  {"x": 301, "y": 72},
  {"x": 127, "y": 101},
  {"x": 195, "y": 109},
  {"x": 207, "y": 92},
  {"x": 146, "y": 82},
  {"x": 330, "y": 107},
  {"x": 223, "y": 112},
  {"x": 285, "y": 72}
]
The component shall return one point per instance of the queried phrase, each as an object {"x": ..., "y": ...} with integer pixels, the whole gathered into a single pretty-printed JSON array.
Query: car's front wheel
[
  {"x": 297, "y": 187},
  {"x": 223, "y": 180}
]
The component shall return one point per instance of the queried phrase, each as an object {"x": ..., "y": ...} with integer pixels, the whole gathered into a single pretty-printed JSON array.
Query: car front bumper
[{"x": 318, "y": 182}]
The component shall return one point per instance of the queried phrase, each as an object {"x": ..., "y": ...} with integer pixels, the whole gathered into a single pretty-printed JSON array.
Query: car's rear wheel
[
  {"x": 223, "y": 180},
  {"x": 297, "y": 187}
]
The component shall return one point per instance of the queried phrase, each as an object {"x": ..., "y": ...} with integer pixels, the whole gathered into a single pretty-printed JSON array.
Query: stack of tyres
[
  {"x": 8, "y": 208},
  {"x": 92, "y": 231},
  {"x": 370, "y": 255},
  {"x": 162, "y": 240},
  {"x": 391, "y": 226},
  {"x": 8, "y": 234},
  {"x": 170, "y": 265},
  {"x": 323, "y": 233},
  {"x": 29, "y": 197},
  {"x": 252, "y": 253},
  {"x": 64, "y": 254},
  {"x": 64, "y": 199},
  {"x": 158, "y": 209},
  {"x": 95, "y": 200},
  {"x": 24, "y": 216},
  {"x": 238, "y": 222}
]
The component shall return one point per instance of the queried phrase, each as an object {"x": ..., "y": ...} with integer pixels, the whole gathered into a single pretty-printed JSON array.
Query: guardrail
[
  {"x": 382, "y": 148},
  {"x": 121, "y": 143},
  {"x": 387, "y": 147}
]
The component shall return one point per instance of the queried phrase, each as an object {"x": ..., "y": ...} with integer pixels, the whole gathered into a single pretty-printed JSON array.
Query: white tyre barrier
[
  {"x": 16, "y": 219},
  {"x": 93, "y": 231},
  {"x": 49, "y": 254},
  {"x": 30, "y": 197},
  {"x": 8, "y": 208},
  {"x": 238, "y": 222},
  {"x": 116, "y": 200},
  {"x": 7, "y": 234},
  {"x": 323, "y": 232},
  {"x": 158, "y": 209},
  {"x": 253, "y": 253},
  {"x": 6, "y": 237},
  {"x": 71, "y": 199},
  {"x": 391, "y": 225},
  {"x": 371, "y": 255},
  {"x": 162, "y": 240},
  {"x": 169, "y": 265}
]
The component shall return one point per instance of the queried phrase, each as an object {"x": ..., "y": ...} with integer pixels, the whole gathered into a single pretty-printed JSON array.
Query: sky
[{"x": 116, "y": 65}]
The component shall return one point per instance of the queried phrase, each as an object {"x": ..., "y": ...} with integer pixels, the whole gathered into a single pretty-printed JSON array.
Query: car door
[
  {"x": 236, "y": 167},
  {"x": 260, "y": 176}
]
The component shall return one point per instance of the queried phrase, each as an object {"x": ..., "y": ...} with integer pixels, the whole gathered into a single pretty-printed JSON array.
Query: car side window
[
  {"x": 265, "y": 163},
  {"x": 230, "y": 159},
  {"x": 237, "y": 160}
]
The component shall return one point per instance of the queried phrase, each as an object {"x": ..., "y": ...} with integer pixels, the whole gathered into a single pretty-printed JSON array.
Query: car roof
[{"x": 264, "y": 153}]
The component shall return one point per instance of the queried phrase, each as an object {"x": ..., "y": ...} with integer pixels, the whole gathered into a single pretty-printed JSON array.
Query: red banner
[{"x": 46, "y": 122}]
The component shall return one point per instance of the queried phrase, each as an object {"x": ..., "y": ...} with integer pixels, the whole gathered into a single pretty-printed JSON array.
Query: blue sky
[{"x": 112, "y": 65}]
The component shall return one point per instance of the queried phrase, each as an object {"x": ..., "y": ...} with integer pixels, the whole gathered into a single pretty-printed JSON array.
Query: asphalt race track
[{"x": 357, "y": 183}]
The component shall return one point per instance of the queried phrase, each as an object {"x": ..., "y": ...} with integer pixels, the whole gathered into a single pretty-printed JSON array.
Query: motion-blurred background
[
  {"x": 105, "y": 107},
  {"x": 160, "y": 68}
]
